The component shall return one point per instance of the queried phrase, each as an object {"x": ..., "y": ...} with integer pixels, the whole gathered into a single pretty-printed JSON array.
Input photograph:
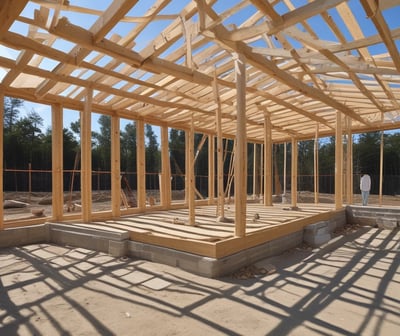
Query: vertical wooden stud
[
  {"x": 381, "y": 168},
  {"x": 165, "y": 169},
  {"x": 190, "y": 178},
  {"x": 1, "y": 158},
  {"x": 86, "y": 157},
  {"x": 57, "y": 161},
  {"x": 267, "y": 160},
  {"x": 187, "y": 167},
  {"x": 284, "y": 167},
  {"x": 141, "y": 165},
  {"x": 254, "y": 169},
  {"x": 294, "y": 165},
  {"x": 349, "y": 163},
  {"x": 338, "y": 162},
  {"x": 262, "y": 170},
  {"x": 211, "y": 169},
  {"x": 115, "y": 167},
  {"x": 220, "y": 150},
  {"x": 316, "y": 165},
  {"x": 241, "y": 148}
]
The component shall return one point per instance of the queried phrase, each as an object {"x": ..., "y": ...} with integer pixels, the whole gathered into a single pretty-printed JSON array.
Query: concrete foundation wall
[
  {"x": 320, "y": 233},
  {"x": 385, "y": 218},
  {"x": 20, "y": 236},
  {"x": 117, "y": 243},
  {"x": 210, "y": 267}
]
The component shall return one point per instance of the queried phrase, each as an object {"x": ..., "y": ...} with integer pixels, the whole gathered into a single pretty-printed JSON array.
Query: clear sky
[{"x": 392, "y": 17}]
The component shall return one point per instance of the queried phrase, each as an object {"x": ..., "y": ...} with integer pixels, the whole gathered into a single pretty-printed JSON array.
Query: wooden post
[
  {"x": 267, "y": 160},
  {"x": 190, "y": 178},
  {"x": 254, "y": 170},
  {"x": 241, "y": 148},
  {"x": 381, "y": 168},
  {"x": 1, "y": 159},
  {"x": 349, "y": 163},
  {"x": 220, "y": 157},
  {"x": 186, "y": 167},
  {"x": 316, "y": 170},
  {"x": 294, "y": 173},
  {"x": 86, "y": 157},
  {"x": 57, "y": 161},
  {"x": 115, "y": 167},
  {"x": 262, "y": 170},
  {"x": 284, "y": 168},
  {"x": 338, "y": 162},
  {"x": 165, "y": 169},
  {"x": 211, "y": 169},
  {"x": 29, "y": 181},
  {"x": 141, "y": 165}
]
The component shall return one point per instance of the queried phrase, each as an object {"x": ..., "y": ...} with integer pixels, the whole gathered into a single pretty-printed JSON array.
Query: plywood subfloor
[{"x": 173, "y": 223}]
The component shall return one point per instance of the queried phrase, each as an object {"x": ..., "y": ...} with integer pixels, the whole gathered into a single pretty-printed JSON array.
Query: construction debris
[
  {"x": 8, "y": 204},
  {"x": 252, "y": 271},
  {"x": 38, "y": 212}
]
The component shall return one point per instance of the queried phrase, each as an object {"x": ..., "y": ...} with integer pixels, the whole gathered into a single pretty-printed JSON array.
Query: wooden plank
[
  {"x": 190, "y": 178},
  {"x": 57, "y": 162},
  {"x": 115, "y": 167},
  {"x": 141, "y": 165},
  {"x": 241, "y": 148},
  {"x": 254, "y": 170},
  {"x": 9, "y": 11},
  {"x": 1, "y": 159},
  {"x": 220, "y": 160},
  {"x": 86, "y": 158},
  {"x": 166, "y": 168},
  {"x": 228, "y": 247},
  {"x": 267, "y": 160},
  {"x": 294, "y": 165},
  {"x": 206, "y": 249},
  {"x": 349, "y": 162},
  {"x": 316, "y": 164},
  {"x": 338, "y": 162},
  {"x": 381, "y": 148},
  {"x": 211, "y": 169},
  {"x": 375, "y": 14}
]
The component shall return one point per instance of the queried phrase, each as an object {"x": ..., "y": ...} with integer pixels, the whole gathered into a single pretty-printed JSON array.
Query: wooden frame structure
[{"x": 258, "y": 71}]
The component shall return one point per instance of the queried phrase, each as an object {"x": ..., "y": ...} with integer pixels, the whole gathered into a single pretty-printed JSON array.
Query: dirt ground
[{"x": 351, "y": 286}]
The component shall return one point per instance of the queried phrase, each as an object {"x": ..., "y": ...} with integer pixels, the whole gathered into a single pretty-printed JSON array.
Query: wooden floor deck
[{"x": 212, "y": 238}]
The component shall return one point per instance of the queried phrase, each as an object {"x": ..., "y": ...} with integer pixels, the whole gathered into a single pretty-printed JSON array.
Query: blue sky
[{"x": 392, "y": 17}]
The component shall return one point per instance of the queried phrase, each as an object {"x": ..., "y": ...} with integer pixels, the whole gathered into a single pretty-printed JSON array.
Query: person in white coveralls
[{"x": 365, "y": 187}]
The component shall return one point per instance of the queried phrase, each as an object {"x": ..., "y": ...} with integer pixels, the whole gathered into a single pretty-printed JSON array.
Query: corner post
[{"x": 241, "y": 148}]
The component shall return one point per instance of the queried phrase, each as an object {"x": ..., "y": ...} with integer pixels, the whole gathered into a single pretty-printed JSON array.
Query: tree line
[{"x": 26, "y": 143}]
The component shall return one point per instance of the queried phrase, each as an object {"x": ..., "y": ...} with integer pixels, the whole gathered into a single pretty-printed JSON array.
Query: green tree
[
  {"x": 70, "y": 147},
  {"x": 177, "y": 157},
  {"x": 177, "y": 151},
  {"x": 366, "y": 153},
  {"x": 128, "y": 148},
  {"x": 152, "y": 151},
  {"x": 101, "y": 155},
  {"x": 11, "y": 112},
  {"x": 306, "y": 165}
]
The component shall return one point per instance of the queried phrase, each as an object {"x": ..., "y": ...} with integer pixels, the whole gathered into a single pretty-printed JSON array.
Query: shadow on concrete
[{"x": 350, "y": 286}]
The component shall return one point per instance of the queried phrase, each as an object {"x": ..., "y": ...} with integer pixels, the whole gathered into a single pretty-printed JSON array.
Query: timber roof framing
[{"x": 159, "y": 60}]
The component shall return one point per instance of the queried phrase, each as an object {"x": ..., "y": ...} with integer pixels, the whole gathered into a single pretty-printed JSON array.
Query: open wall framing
[{"x": 254, "y": 71}]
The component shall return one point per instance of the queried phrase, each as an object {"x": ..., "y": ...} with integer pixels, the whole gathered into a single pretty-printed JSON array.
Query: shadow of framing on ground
[{"x": 351, "y": 286}]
